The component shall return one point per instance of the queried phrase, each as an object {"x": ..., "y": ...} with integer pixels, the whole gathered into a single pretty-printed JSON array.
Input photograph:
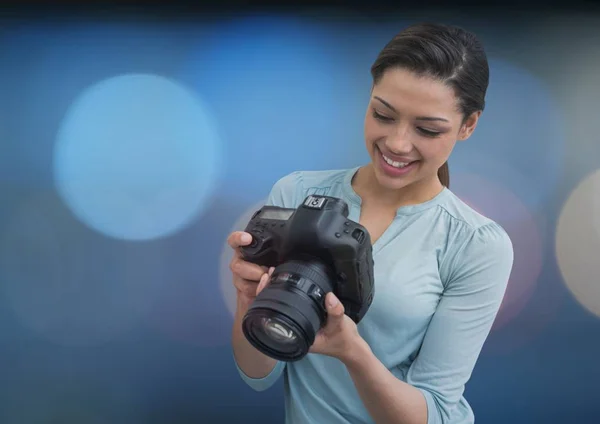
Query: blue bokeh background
[{"x": 129, "y": 149}]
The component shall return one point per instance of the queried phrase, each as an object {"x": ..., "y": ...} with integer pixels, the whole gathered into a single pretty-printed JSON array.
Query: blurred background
[{"x": 134, "y": 140}]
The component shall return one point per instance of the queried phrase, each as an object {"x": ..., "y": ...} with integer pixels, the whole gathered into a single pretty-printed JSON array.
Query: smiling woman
[
  {"x": 441, "y": 268},
  {"x": 424, "y": 107},
  {"x": 392, "y": 130}
]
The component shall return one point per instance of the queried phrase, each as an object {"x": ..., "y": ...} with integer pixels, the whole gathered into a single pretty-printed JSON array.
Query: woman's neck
[{"x": 365, "y": 184}]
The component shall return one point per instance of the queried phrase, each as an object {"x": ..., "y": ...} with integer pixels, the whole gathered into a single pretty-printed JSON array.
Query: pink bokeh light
[{"x": 503, "y": 206}]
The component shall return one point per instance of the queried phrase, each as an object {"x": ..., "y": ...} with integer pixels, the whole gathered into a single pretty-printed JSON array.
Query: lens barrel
[{"x": 283, "y": 320}]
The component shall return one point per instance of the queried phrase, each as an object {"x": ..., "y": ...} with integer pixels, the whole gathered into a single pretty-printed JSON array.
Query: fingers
[
  {"x": 264, "y": 280},
  {"x": 247, "y": 276},
  {"x": 262, "y": 283},
  {"x": 238, "y": 266},
  {"x": 245, "y": 287},
  {"x": 246, "y": 270},
  {"x": 335, "y": 308},
  {"x": 238, "y": 239}
]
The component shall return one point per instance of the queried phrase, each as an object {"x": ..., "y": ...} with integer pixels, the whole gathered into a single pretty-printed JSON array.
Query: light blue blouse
[{"x": 441, "y": 271}]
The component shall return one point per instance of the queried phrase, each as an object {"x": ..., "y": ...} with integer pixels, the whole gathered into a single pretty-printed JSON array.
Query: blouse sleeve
[{"x": 475, "y": 285}]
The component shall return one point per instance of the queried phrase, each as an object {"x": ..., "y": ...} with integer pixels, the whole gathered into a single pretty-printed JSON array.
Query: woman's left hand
[{"x": 340, "y": 335}]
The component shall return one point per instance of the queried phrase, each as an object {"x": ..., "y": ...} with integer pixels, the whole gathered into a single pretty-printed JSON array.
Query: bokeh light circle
[
  {"x": 225, "y": 276},
  {"x": 503, "y": 206},
  {"x": 578, "y": 243},
  {"x": 288, "y": 94},
  {"x": 526, "y": 138},
  {"x": 137, "y": 157},
  {"x": 68, "y": 284}
]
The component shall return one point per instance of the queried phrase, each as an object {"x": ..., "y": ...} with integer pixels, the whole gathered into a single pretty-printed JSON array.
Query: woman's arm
[
  {"x": 258, "y": 370},
  {"x": 388, "y": 399},
  {"x": 454, "y": 339}
]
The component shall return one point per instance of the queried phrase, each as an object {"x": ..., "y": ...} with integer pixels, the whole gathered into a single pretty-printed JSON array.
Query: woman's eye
[
  {"x": 387, "y": 119},
  {"x": 429, "y": 133},
  {"x": 381, "y": 117}
]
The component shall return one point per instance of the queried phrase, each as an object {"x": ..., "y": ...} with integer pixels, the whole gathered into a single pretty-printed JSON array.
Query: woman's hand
[
  {"x": 248, "y": 278},
  {"x": 339, "y": 337}
]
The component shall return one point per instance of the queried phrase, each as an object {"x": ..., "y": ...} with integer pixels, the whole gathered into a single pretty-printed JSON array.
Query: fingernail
[
  {"x": 271, "y": 270},
  {"x": 332, "y": 301},
  {"x": 246, "y": 238}
]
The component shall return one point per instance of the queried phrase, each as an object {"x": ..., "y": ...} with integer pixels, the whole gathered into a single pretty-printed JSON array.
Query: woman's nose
[{"x": 399, "y": 143}]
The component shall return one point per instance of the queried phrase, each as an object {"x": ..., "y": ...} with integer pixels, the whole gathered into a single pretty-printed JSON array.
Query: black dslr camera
[{"x": 315, "y": 249}]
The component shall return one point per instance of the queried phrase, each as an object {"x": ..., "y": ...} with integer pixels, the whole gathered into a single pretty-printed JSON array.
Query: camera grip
[
  {"x": 262, "y": 251},
  {"x": 355, "y": 286}
]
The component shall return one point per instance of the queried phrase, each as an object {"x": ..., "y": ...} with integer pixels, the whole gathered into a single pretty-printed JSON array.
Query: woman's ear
[{"x": 469, "y": 126}]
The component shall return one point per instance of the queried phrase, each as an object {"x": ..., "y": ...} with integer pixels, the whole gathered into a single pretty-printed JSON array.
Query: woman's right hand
[{"x": 249, "y": 279}]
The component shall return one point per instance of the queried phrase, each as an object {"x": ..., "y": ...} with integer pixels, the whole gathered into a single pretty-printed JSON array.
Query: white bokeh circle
[
  {"x": 137, "y": 156},
  {"x": 578, "y": 243},
  {"x": 67, "y": 284},
  {"x": 225, "y": 276}
]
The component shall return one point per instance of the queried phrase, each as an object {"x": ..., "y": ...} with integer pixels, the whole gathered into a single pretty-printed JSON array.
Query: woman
[{"x": 441, "y": 269}]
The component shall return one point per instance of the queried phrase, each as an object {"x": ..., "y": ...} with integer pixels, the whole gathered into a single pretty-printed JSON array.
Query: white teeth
[{"x": 394, "y": 163}]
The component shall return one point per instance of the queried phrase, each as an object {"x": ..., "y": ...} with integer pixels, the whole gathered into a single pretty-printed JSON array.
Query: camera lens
[
  {"x": 278, "y": 331},
  {"x": 283, "y": 320}
]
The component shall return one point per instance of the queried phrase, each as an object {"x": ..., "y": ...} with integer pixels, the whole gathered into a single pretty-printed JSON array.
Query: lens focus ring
[{"x": 289, "y": 304}]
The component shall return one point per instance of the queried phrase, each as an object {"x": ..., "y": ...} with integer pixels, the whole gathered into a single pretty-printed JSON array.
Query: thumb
[{"x": 335, "y": 309}]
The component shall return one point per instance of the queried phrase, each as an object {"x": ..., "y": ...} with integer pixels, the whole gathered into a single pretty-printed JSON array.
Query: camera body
[{"x": 319, "y": 229}]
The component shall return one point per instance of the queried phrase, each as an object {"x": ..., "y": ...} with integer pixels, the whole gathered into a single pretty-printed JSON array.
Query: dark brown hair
[{"x": 447, "y": 53}]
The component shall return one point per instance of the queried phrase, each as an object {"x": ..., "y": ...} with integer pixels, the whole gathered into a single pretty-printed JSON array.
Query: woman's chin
[{"x": 391, "y": 183}]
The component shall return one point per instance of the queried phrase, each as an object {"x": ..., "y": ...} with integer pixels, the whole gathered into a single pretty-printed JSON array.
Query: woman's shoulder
[
  {"x": 474, "y": 239},
  {"x": 312, "y": 178},
  {"x": 293, "y": 186},
  {"x": 460, "y": 212}
]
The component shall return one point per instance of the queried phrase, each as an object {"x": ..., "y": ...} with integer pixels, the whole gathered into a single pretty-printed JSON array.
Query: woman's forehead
[{"x": 409, "y": 93}]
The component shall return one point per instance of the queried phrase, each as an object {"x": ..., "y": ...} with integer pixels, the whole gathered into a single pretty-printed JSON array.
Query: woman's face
[{"x": 411, "y": 126}]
